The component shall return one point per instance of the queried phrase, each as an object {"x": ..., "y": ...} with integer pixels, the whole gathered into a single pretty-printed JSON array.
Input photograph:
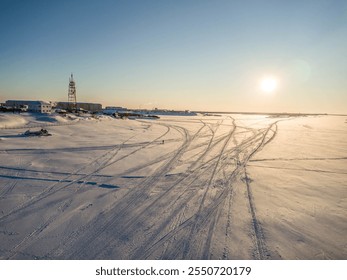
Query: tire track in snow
[
  {"x": 50, "y": 190},
  {"x": 9, "y": 189},
  {"x": 261, "y": 249},
  {"x": 110, "y": 216},
  {"x": 213, "y": 220},
  {"x": 228, "y": 229},
  {"x": 197, "y": 172},
  {"x": 163, "y": 238},
  {"x": 188, "y": 180},
  {"x": 127, "y": 228},
  {"x": 66, "y": 203},
  {"x": 202, "y": 203},
  {"x": 106, "y": 160},
  {"x": 238, "y": 170},
  {"x": 34, "y": 234},
  {"x": 170, "y": 167},
  {"x": 177, "y": 247}
]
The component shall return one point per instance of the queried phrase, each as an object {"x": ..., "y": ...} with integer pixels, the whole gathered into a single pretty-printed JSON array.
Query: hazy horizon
[{"x": 226, "y": 56}]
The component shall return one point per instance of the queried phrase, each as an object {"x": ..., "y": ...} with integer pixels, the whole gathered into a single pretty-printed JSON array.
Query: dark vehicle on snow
[{"x": 41, "y": 132}]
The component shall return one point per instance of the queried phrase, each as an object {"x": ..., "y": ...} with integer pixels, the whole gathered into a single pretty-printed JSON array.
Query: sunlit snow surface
[{"x": 217, "y": 187}]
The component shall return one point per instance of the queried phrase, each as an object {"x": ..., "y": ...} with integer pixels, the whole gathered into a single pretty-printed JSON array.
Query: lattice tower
[{"x": 72, "y": 94}]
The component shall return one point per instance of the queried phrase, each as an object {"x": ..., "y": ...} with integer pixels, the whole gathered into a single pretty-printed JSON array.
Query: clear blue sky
[{"x": 198, "y": 55}]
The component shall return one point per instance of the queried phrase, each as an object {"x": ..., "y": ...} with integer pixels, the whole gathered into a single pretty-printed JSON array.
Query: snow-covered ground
[{"x": 217, "y": 187}]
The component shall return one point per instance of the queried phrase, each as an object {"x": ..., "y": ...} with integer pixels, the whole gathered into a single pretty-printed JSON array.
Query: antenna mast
[{"x": 72, "y": 94}]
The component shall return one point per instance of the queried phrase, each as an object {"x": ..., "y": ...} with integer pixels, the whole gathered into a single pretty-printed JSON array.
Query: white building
[
  {"x": 32, "y": 105},
  {"x": 91, "y": 107}
]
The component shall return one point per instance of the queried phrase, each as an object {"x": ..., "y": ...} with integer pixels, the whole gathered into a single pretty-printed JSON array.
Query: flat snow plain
[{"x": 219, "y": 187}]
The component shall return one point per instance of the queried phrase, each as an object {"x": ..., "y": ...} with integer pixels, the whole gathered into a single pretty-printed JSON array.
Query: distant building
[
  {"x": 110, "y": 110},
  {"x": 31, "y": 105},
  {"x": 115, "y": 108},
  {"x": 90, "y": 107}
]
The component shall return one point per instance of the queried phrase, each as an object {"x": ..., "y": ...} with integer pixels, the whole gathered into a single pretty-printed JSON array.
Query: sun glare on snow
[{"x": 268, "y": 84}]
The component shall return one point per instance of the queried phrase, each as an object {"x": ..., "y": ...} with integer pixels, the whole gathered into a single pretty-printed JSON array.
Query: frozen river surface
[{"x": 181, "y": 187}]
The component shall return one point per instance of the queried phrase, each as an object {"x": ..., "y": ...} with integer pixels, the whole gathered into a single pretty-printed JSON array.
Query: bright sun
[{"x": 268, "y": 84}]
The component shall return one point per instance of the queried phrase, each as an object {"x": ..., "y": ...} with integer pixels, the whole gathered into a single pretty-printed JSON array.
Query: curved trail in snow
[{"x": 183, "y": 209}]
